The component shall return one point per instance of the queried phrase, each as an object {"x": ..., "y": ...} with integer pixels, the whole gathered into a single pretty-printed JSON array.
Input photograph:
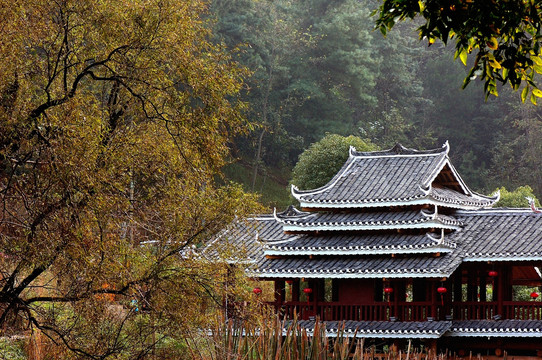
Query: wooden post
[
  {"x": 295, "y": 290},
  {"x": 400, "y": 296},
  {"x": 458, "y": 285},
  {"x": 315, "y": 293},
  {"x": 483, "y": 284},
  {"x": 279, "y": 292},
  {"x": 434, "y": 300},
  {"x": 471, "y": 284},
  {"x": 500, "y": 293}
]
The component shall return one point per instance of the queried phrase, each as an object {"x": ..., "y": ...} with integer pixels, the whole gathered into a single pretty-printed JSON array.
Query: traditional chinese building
[{"x": 398, "y": 247}]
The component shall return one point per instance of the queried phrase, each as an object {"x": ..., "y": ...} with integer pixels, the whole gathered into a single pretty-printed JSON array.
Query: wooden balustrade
[
  {"x": 406, "y": 311},
  {"x": 525, "y": 310},
  {"x": 409, "y": 311},
  {"x": 474, "y": 310}
]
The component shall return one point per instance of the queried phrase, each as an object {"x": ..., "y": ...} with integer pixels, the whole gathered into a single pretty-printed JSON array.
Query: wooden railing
[
  {"x": 525, "y": 310},
  {"x": 474, "y": 310},
  {"x": 411, "y": 311},
  {"x": 405, "y": 311}
]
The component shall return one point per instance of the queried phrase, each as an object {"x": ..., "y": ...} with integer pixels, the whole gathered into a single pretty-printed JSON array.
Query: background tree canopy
[
  {"x": 323, "y": 159},
  {"x": 516, "y": 198},
  {"x": 114, "y": 119},
  {"x": 329, "y": 73},
  {"x": 503, "y": 36}
]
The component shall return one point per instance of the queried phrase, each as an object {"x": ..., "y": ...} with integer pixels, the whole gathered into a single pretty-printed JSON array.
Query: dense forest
[{"x": 318, "y": 66}]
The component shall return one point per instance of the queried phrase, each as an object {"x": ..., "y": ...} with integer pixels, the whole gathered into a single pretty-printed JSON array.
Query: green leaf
[
  {"x": 524, "y": 93},
  {"x": 463, "y": 56},
  {"x": 533, "y": 99},
  {"x": 537, "y": 93},
  {"x": 537, "y": 60}
]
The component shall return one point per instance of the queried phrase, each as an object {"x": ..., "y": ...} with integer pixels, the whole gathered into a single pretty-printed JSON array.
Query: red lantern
[
  {"x": 534, "y": 295},
  {"x": 493, "y": 273},
  {"x": 388, "y": 290},
  {"x": 257, "y": 291},
  {"x": 289, "y": 282},
  {"x": 442, "y": 290},
  {"x": 307, "y": 290}
]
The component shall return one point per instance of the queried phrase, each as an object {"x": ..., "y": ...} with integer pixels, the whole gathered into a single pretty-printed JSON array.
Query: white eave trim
[
  {"x": 503, "y": 257},
  {"x": 377, "y": 251},
  {"x": 495, "y": 333},
  {"x": 386, "y": 203},
  {"x": 347, "y": 275},
  {"x": 386, "y": 334},
  {"x": 398, "y": 225}
]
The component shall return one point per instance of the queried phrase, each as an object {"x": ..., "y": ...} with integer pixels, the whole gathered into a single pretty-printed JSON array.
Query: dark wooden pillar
[
  {"x": 458, "y": 285},
  {"x": 379, "y": 290},
  {"x": 399, "y": 292},
  {"x": 335, "y": 290},
  {"x": 434, "y": 299},
  {"x": 471, "y": 284},
  {"x": 295, "y": 290},
  {"x": 313, "y": 298},
  {"x": 419, "y": 289},
  {"x": 279, "y": 292},
  {"x": 447, "y": 309},
  {"x": 500, "y": 292},
  {"x": 483, "y": 284},
  {"x": 321, "y": 286}
]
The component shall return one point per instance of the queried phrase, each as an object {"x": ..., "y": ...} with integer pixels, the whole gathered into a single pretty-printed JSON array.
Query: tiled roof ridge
[
  {"x": 399, "y": 149},
  {"x": 499, "y": 211}
]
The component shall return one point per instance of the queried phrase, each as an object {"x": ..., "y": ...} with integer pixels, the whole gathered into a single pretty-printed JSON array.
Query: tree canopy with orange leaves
[
  {"x": 503, "y": 37},
  {"x": 114, "y": 121}
]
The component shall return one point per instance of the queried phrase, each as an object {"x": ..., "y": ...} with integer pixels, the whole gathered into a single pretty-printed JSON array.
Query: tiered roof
[
  {"x": 395, "y": 177},
  {"x": 382, "y": 215},
  {"x": 398, "y": 213}
]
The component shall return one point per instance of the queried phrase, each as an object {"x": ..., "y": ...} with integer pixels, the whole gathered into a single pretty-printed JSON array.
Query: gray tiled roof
[
  {"x": 358, "y": 267},
  {"x": 451, "y": 198},
  {"x": 382, "y": 329},
  {"x": 493, "y": 234},
  {"x": 349, "y": 244},
  {"x": 398, "y": 175},
  {"x": 240, "y": 239},
  {"x": 496, "y": 328},
  {"x": 500, "y": 234},
  {"x": 344, "y": 221}
]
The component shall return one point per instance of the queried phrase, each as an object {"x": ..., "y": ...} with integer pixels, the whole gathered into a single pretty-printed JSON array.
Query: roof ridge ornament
[
  {"x": 533, "y": 205},
  {"x": 425, "y": 189},
  {"x": 352, "y": 151},
  {"x": 433, "y": 215},
  {"x": 440, "y": 240},
  {"x": 446, "y": 146}
]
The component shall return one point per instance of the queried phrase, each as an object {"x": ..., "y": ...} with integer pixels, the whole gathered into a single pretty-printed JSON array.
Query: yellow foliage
[{"x": 115, "y": 118}]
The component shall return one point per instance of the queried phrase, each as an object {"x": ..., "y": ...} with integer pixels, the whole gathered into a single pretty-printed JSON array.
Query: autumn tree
[{"x": 114, "y": 120}]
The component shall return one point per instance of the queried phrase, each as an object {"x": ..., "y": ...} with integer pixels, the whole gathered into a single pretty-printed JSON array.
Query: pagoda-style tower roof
[{"x": 395, "y": 177}]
